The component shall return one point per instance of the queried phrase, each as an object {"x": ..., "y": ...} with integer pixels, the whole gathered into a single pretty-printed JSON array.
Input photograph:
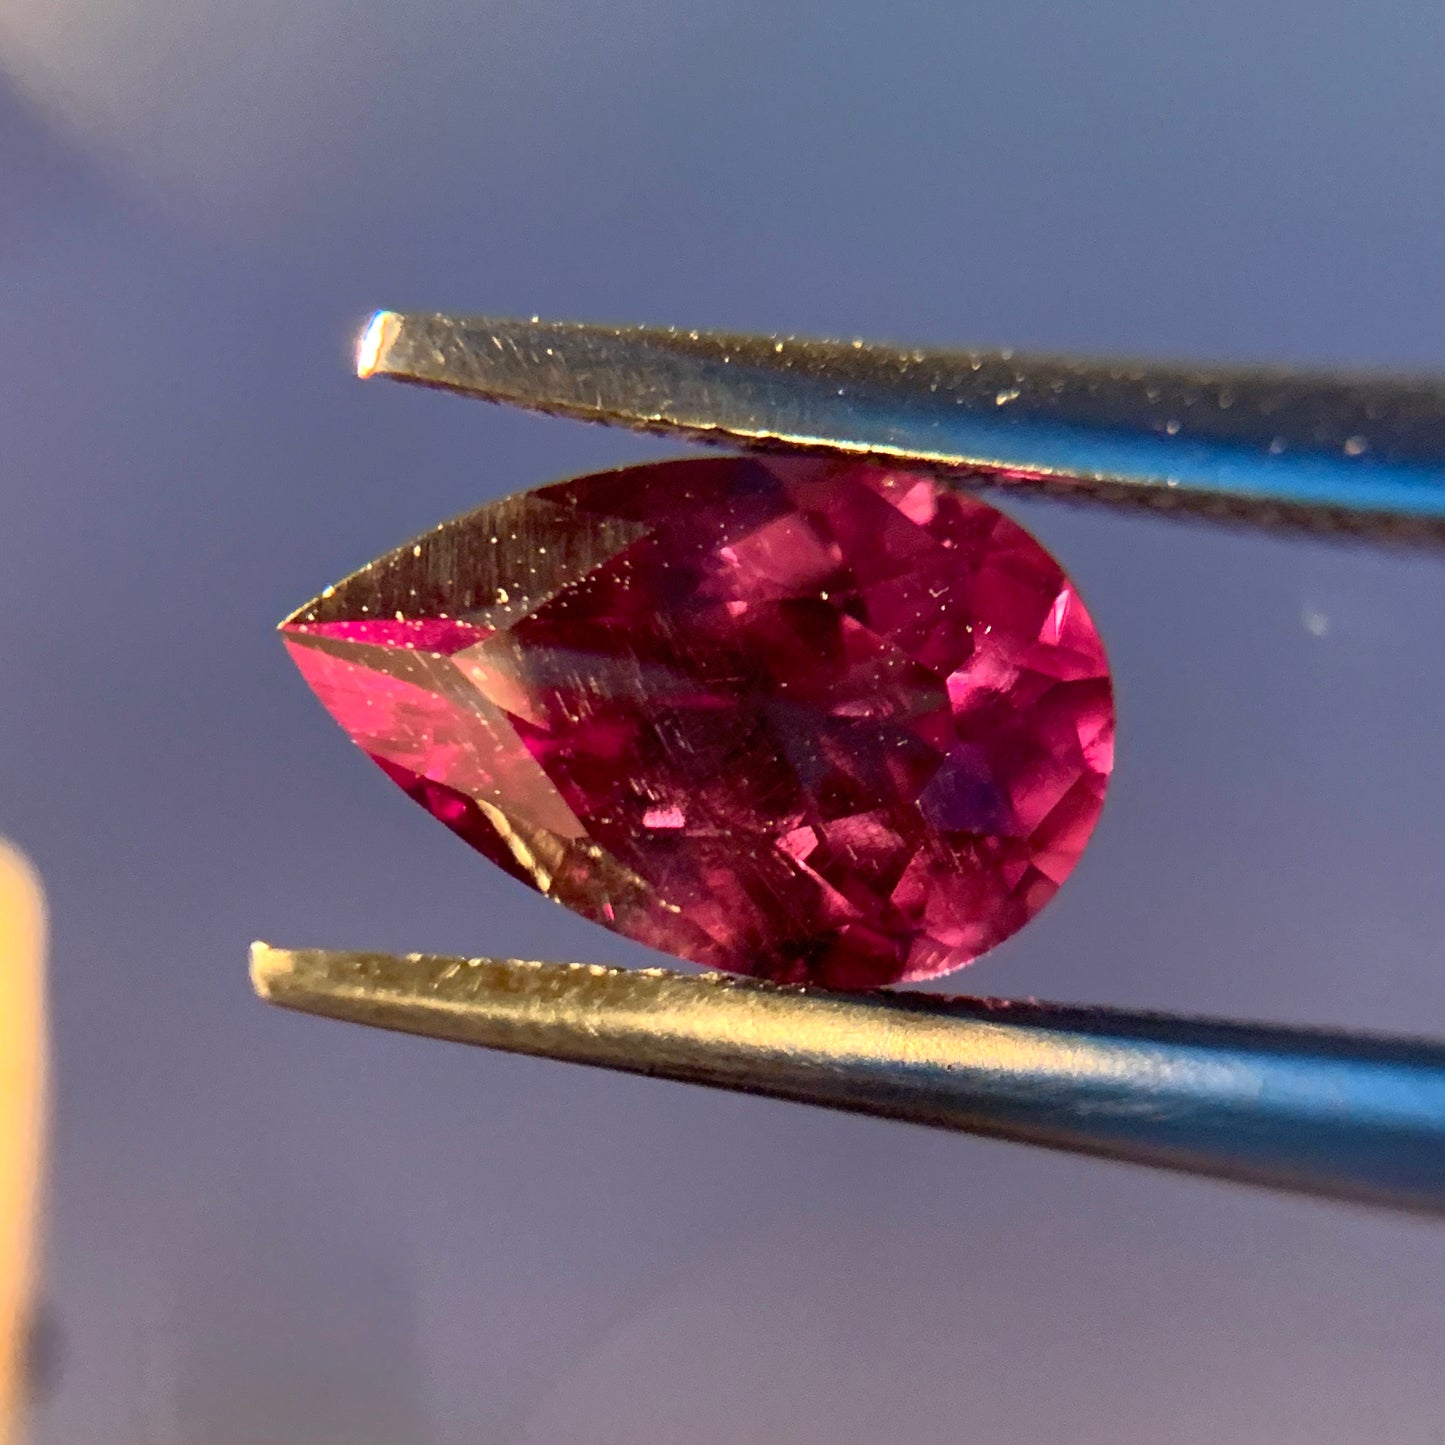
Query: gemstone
[{"x": 818, "y": 720}]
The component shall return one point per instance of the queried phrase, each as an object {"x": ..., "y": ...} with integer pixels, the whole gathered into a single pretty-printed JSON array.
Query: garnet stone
[{"x": 814, "y": 720}]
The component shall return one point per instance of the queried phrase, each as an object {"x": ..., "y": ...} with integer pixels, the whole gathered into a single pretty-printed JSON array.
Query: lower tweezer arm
[{"x": 1336, "y": 1115}]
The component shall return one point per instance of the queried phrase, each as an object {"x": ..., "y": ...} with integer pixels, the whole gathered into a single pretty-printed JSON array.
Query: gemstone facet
[{"x": 815, "y": 720}]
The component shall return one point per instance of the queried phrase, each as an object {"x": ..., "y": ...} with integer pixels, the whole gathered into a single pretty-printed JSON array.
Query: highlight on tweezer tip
[
  {"x": 375, "y": 341},
  {"x": 269, "y": 968}
]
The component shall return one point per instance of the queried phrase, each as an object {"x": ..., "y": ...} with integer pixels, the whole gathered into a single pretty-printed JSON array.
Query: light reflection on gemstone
[{"x": 814, "y": 720}]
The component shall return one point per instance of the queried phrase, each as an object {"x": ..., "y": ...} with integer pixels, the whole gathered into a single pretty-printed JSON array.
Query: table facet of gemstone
[{"x": 814, "y": 720}]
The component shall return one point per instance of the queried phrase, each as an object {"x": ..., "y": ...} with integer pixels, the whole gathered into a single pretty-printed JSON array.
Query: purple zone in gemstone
[{"x": 813, "y": 720}]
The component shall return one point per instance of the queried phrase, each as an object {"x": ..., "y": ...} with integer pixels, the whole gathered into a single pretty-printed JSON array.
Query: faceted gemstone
[{"x": 815, "y": 720}]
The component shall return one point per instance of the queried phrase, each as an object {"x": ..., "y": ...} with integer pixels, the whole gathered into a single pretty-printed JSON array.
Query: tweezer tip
[
  {"x": 270, "y": 968},
  {"x": 371, "y": 350}
]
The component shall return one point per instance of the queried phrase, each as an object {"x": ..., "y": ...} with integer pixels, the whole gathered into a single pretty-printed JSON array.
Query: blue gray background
[{"x": 264, "y": 1227}]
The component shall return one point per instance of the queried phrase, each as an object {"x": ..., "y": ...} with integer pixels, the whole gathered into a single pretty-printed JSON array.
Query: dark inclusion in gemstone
[{"x": 814, "y": 720}]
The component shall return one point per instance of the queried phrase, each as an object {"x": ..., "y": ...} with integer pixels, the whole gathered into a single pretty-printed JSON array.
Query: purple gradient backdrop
[{"x": 267, "y": 1227}]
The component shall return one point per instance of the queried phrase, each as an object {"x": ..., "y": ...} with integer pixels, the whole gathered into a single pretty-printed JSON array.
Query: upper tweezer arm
[
  {"x": 1335, "y": 1115},
  {"x": 1360, "y": 454}
]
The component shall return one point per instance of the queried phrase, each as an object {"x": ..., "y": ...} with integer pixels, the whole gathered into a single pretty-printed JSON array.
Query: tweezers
[{"x": 1336, "y": 1115}]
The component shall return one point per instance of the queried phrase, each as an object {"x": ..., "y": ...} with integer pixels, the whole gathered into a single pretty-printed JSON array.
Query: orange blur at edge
[{"x": 22, "y": 1117}]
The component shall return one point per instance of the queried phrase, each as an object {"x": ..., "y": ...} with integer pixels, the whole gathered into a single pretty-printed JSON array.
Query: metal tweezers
[{"x": 1331, "y": 1114}]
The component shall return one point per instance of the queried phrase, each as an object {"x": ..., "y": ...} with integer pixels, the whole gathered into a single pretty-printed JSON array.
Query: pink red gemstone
[{"x": 814, "y": 720}]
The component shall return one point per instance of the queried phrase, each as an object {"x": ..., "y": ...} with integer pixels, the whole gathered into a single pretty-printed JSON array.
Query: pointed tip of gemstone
[
  {"x": 295, "y": 621},
  {"x": 375, "y": 342}
]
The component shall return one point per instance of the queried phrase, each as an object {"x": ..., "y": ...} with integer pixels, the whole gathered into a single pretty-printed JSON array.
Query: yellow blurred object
[{"x": 22, "y": 1117}]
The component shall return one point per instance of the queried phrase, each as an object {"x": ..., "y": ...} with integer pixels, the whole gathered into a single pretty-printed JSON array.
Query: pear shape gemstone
[{"x": 819, "y": 721}]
